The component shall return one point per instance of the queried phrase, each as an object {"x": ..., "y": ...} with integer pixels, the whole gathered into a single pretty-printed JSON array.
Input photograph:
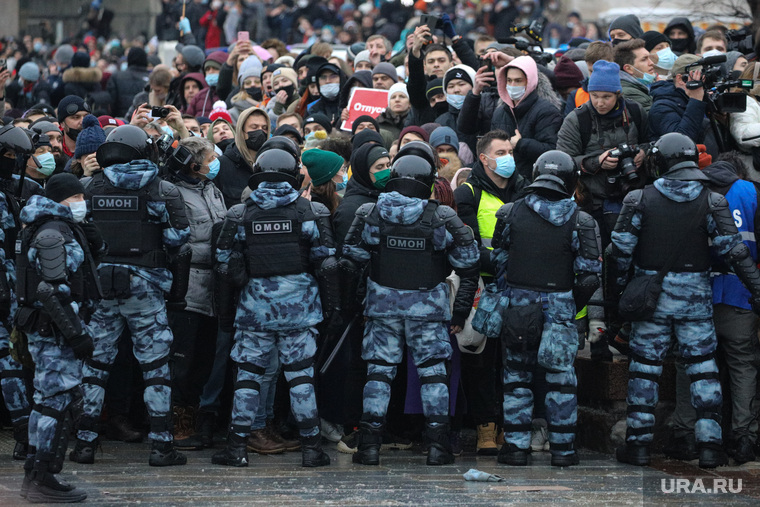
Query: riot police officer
[
  {"x": 57, "y": 277},
  {"x": 549, "y": 251},
  {"x": 15, "y": 148},
  {"x": 410, "y": 243},
  {"x": 278, "y": 249},
  {"x": 144, "y": 225},
  {"x": 677, "y": 216}
]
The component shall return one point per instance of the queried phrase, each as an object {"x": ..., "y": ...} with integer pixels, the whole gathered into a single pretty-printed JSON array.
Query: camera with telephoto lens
[
  {"x": 165, "y": 148},
  {"x": 741, "y": 40},
  {"x": 625, "y": 153},
  {"x": 717, "y": 85},
  {"x": 533, "y": 47}
]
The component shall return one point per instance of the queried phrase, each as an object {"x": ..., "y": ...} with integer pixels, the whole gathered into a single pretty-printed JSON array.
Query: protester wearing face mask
[
  {"x": 327, "y": 175},
  {"x": 712, "y": 43},
  {"x": 191, "y": 85},
  {"x": 625, "y": 28},
  {"x": 660, "y": 52},
  {"x": 237, "y": 162},
  {"x": 681, "y": 34},
  {"x": 55, "y": 139},
  {"x": 249, "y": 93},
  {"x": 745, "y": 126},
  {"x": 285, "y": 89},
  {"x": 636, "y": 72},
  {"x": 71, "y": 113},
  {"x": 330, "y": 80},
  {"x": 203, "y": 101},
  {"x": 457, "y": 83}
]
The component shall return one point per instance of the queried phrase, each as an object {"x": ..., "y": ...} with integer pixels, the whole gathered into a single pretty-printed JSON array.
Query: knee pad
[
  {"x": 97, "y": 381},
  {"x": 385, "y": 371},
  {"x": 152, "y": 366}
]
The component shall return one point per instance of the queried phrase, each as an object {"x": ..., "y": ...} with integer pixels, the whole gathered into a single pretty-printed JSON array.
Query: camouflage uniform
[
  {"x": 275, "y": 311},
  {"x": 11, "y": 376},
  {"x": 143, "y": 311},
  {"x": 684, "y": 309},
  {"x": 418, "y": 318},
  {"x": 559, "y": 338}
]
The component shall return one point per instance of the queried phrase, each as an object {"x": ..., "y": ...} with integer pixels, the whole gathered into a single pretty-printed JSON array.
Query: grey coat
[{"x": 205, "y": 207}]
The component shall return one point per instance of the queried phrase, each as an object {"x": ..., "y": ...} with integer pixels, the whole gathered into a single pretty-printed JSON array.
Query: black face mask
[
  {"x": 224, "y": 143},
  {"x": 679, "y": 45},
  {"x": 441, "y": 107},
  {"x": 615, "y": 42},
  {"x": 255, "y": 139},
  {"x": 290, "y": 90},
  {"x": 7, "y": 165},
  {"x": 73, "y": 133},
  {"x": 254, "y": 93}
]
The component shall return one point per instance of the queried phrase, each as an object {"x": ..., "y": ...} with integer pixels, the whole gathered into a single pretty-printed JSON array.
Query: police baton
[{"x": 338, "y": 345}]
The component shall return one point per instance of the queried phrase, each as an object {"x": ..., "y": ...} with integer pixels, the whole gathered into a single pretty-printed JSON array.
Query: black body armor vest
[{"x": 544, "y": 259}]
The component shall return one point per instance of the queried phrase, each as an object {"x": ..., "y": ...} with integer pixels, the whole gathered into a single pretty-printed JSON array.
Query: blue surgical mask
[
  {"x": 168, "y": 130},
  {"x": 505, "y": 165},
  {"x": 123, "y": 66},
  {"x": 666, "y": 58},
  {"x": 37, "y": 47},
  {"x": 213, "y": 169},
  {"x": 78, "y": 210},
  {"x": 212, "y": 79},
  {"x": 516, "y": 93},
  {"x": 646, "y": 78},
  {"x": 47, "y": 163},
  {"x": 455, "y": 101},
  {"x": 342, "y": 185}
]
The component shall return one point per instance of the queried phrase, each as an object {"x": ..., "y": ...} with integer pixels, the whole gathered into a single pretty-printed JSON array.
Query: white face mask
[
  {"x": 516, "y": 92},
  {"x": 78, "y": 210},
  {"x": 712, "y": 52}
]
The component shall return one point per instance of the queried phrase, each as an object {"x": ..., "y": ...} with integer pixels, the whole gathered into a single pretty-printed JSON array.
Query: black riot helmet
[
  {"x": 675, "y": 156},
  {"x": 275, "y": 165},
  {"x": 420, "y": 149},
  {"x": 281, "y": 143},
  {"x": 412, "y": 175},
  {"x": 15, "y": 139},
  {"x": 555, "y": 171},
  {"x": 125, "y": 144}
]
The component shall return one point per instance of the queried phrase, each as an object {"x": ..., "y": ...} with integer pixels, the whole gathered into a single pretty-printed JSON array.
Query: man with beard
[
  {"x": 55, "y": 137},
  {"x": 71, "y": 112}
]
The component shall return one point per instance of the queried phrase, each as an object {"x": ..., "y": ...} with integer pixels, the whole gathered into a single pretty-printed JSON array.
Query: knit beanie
[
  {"x": 80, "y": 59},
  {"x": 386, "y": 69},
  {"x": 629, "y": 23},
  {"x": 284, "y": 130},
  {"x": 462, "y": 72},
  {"x": 137, "y": 57},
  {"x": 376, "y": 154},
  {"x": 605, "y": 78},
  {"x": 69, "y": 106},
  {"x": 364, "y": 118},
  {"x": 362, "y": 56},
  {"x": 194, "y": 57},
  {"x": 433, "y": 88},
  {"x": 365, "y": 136},
  {"x": 91, "y": 137},
  {"x": 567, "y": 74},
  {"x": 220, "y": 111},
  {"x": 287, "y": 73},
  {"x": 398, "y": 87},
  {"x": 63, "y": 55},
  {"x": 62, "y": 186},
  {"x": 322, "y": 165},
  {"x": 319, "y": 118},
  {"x": 215, "y": 60},
  {"x": 29, "y": 72},
  {"x": 444, "y": 136},
  {"x": 417, "y": 130},
  {"x": 651, "y": 39},
  {"x": 251, "y": 67}
]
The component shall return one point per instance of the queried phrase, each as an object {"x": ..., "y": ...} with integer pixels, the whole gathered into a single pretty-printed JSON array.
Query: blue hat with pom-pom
[{"x": 91, "y": 137}]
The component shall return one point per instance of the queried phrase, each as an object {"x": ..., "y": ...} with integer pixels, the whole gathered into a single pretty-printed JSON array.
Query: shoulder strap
[
  {"x": 635, "y": 110},
  {"x": 426, "y": 219},
  {"x": 584, "y": 124},
  {"x": 677, "y": 252}
]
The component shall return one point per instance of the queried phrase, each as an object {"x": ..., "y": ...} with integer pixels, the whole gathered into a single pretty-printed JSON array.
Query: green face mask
[{"x": 381, "y": 178}]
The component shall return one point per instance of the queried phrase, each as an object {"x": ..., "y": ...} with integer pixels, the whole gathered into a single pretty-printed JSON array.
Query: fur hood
[
  {"x": 545, "y": 90},
  {"x": 82, "y": 75}
]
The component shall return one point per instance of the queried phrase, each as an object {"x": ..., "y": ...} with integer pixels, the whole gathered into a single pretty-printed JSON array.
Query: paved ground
[{"x": 121, "y": 475}]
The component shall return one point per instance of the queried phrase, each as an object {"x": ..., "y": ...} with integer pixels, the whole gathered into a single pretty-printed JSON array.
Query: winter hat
[
  {"x": 386, "y": 69},
  {"x": 567, "y": 74},
  {"x": 583, "y": 67},
  {"x": 69, "y": 106},
  {"x": 365, "y": 136},
  {"x": 430, "y": 127},
  {"x": 362, "y": 56},
  {"x": 417, "y": 130},
  {"x": 287, "y": 73},
  {"x": 375, "y": 154},
  {"x": 322, "y": 165},
  {"x": 576, "y": 54},
  {"x": 444, "y": 136},
  {"x": 270, "y": 68},
  {"x": 193, "y": 55},
  {"x": 398, "y": 87},
  {"x": 80, "y": 59},
  {"x": 605, "y": 78},
  {"x": 41, "y": 126},
  {"x": 91, "y": 137},
  {"x": 251, "y": 67},
  {"x": 364, "y": 118},
  {"x": 682, "y": 62},
  {"x": 137, "y": 57},
  {"x": 651, "y": 39},
  {"x": 629, "y": 23},
  {"x": 462, "y": 72},
  {"x": 215, "y": 60},
  {"x": 203, "y": 120},
  {"x": 286, "y": 60},
  {"x": 62, "y": 186},
  {"x": 63, "y": 55},
  {"x": 731, "y": 58},
  {"x": 433, "y": 88},
  {"x": 109, "y": 121},
  {"x": 29, "y": 72},
  {"x": 319, "y": 118},
  {"x": 284, "y": 130},
  {"x": 313, "y": 139},
  {"x": 220, "y": 111}
]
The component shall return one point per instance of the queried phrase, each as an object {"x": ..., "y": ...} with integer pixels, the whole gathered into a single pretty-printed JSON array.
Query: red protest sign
[{"x": 365, "y": 101}]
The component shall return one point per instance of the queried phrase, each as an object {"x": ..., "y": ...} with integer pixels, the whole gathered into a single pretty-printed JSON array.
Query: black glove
[
  {"x": 82, "y": 346},
  {"x": 92, "y": 233}
]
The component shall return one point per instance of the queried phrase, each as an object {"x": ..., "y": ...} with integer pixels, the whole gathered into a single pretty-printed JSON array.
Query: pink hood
[{"x": 525, "y": 64}]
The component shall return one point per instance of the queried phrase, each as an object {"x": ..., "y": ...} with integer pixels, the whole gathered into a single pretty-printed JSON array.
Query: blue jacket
[{"x": 673, "y": 111}]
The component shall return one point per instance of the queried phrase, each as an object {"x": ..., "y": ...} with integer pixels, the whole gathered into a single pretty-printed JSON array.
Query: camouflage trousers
[
  {"x": 12, "y": 383},
  {"x": 649, "y": 343},
  {"x": 57, "y": 379},
  {"x": 383, "y": 349},
  {"x": 251, "y": 351},
  {"x": 145, "y": 316}
]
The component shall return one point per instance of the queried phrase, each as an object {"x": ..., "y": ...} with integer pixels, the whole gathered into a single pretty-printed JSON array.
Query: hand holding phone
[{"x": 243, "y": 36}]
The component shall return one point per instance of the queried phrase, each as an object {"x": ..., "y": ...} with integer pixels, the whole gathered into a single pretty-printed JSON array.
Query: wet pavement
[{"x": 121, "y": 475}]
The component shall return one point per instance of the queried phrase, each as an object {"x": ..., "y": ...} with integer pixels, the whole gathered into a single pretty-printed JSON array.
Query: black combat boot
[
  {"x": 205, "y": 425},
  {"x": 633, "y": 454},
  {"x": 44, "y": 487},
  {"x": 368, "y": 444},
  {"x": 512, "y": 455},
  {"x": 438, "y": 444},
  {"x": 712, "y": 455},
  {"x": 683, "y": 447},
  {"x": 564, "y": 460},
  {"x": 163, "y": 454},
  {"x": 312, "y": 454},
  {"x": 84, "y": 452},
  {"x": 21, "y": 435},
  {"x": 28, "y": 466},
  {"x": 235, "y": 454},
  {"x": 743, "y": 451}
]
